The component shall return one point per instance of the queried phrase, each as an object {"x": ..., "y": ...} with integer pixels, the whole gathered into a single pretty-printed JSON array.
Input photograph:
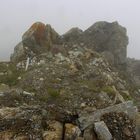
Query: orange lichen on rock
[
  {"x": 39, "y": 31},
  {"x": 39, "y": 38}
]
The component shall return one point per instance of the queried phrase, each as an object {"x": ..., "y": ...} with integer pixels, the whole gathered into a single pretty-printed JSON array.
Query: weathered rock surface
[
  {"x": 54, "y": 132},
  {"x": 120, "y": 125},
  {"x": 72, "y": 132},
  {"x": 126, "y": 107},
  {"x": 102, "y": 131},
  {"x": 110, "y": 37},
  {"x": 89, "y": 133},
  {"x": 19, "y": 53},
  {"x": 39, "y": 38}
]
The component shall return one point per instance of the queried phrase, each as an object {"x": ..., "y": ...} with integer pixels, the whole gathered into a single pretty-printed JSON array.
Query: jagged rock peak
[
  {"x": 36, "y": 40},
  {"x": 39, "y": 37},
  {"x": 37, "y": 30}
]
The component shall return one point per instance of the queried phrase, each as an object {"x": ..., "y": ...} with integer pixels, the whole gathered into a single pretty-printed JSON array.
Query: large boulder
[
  {"x": 111, "y": 37},
  {"x": 39, "y": 38},
  {"x": 102, "y": 131}
]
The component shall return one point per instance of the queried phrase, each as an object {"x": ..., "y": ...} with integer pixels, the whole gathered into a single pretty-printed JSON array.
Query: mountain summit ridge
[{"x": 75, "y": 86}]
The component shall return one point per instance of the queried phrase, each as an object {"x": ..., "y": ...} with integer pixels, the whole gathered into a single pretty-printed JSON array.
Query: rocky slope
[{"x": 69, "y": 87}]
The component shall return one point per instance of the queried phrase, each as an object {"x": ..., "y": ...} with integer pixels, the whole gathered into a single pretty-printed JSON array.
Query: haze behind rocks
[{"x": 17, "y": 16}]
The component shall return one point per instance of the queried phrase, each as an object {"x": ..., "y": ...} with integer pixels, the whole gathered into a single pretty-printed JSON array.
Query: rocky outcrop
[
  {"x": 38, "y": 39},
  {"x": 108, "y": 37}
]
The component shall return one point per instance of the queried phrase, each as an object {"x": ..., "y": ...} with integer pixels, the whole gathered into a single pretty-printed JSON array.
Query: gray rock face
[
  {"x": 72, "y": 35},
  {"x": 102, "y": 131},
  {"x": 89, "y": 133},
  {"x": 110, "y": 39},
  {"x": 39, "y": 38},
  {"x": 19, "y": 53},
  {"x": 104, "y": 36}
]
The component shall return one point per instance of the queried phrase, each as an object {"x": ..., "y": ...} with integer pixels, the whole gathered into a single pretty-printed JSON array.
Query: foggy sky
[{"x": 16, "y": 16}]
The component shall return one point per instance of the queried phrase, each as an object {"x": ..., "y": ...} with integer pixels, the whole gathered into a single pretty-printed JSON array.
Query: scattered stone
[
  {"x": 71, "y": 132},
  {"x": 83, "y": 105},
  {"x": 27, "y": 93},
  {"x": 41, "y": 79},
  {"x": 120, "y": 126},
  {"x": 2, "y": 73},
  {"x": 54, "y": 132},
  {"x": 126, "y": 107},
  {"x": 19, "y": 78},
  {"x": 102, "y": 131},
  {"x": 89, "y": 133}
]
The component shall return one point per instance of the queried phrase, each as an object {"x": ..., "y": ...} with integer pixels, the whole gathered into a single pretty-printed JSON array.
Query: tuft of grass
[
  {"x": 43, "y": 98},
  {"x": 11, "y": 74},
  {"x": 54, "y": 93},
  {"x": 126, "y": 97},
  {"x": 92, "y": 85},
  {"x": 109, "y": 90},
  {"x": 51, "y": 94}
]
